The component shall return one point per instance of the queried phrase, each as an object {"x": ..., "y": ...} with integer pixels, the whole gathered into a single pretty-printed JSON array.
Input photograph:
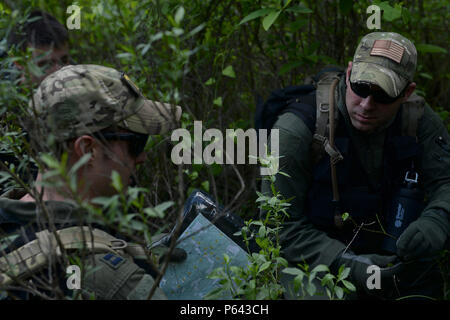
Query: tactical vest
[
  {"x": 365, "y": 203},
  {"x": 26, "y": 259}
]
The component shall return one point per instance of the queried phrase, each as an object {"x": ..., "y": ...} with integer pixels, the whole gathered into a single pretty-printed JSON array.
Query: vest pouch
[
  {"x": 361, "y": 204},
  {"x": 405, "y": 207},
  {"x": 319, "y": 209}
]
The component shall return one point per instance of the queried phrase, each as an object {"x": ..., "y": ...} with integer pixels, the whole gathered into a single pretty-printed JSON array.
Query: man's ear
[
  {"x": 409, "y": 90},
  {"x": 84, "y": 145},
  {"x": 349, "y": 70}
]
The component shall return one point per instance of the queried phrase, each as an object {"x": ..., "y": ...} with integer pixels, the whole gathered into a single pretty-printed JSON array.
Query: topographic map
[{"x": 205, "y": 245}]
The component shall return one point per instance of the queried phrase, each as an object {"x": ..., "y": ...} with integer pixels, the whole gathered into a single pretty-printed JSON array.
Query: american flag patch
[{"x": 388, "y": 49}]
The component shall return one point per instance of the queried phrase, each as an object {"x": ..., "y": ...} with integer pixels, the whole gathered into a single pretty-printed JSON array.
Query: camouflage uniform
[
  {"x": 302, "y": 240},
  {"x": 74, "y": 101}
]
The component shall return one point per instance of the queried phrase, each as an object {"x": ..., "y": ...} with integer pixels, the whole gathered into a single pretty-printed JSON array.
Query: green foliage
[
  {"x": 335, "y": 286},
  {"x": 213, "y": 58},
  {"x": 261, "y": 279}
]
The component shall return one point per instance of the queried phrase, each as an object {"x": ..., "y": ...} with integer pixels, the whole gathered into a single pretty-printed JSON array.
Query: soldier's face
[
  {"x": 367, "y": 115},
  {"x": 106, "y": 157},
  {"x": 113, "y": 156},
  {"x": 49, "y": 60}
]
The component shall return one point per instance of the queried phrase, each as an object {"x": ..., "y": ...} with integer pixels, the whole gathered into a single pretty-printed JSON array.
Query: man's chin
[{"x": 366, "y": 128}]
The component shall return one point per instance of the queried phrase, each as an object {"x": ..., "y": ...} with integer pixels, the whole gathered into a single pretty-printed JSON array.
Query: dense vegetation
[{"x": 215, "y": 59}]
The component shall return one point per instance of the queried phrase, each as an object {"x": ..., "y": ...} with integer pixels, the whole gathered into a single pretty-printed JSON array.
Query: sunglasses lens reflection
[{"x": 364, "y": 90}]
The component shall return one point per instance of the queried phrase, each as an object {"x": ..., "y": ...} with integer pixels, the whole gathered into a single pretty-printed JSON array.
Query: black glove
[
  {"x": 359, "y": 274},
  {"x": 424, "y": 237},
  {"x": 178, "y": 255},
  {"x": 160, "y": 248}
]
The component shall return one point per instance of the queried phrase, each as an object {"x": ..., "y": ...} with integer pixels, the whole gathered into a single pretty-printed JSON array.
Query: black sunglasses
[
  {"x": 136, "y": 141},
  {"x": 365, "y": 89}
]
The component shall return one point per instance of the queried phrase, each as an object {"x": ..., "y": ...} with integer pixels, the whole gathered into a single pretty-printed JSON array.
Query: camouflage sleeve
[
  {"x": 435, "y": 141},
  {"x": 112, "y": 277},
  {"x": 300, "y": 240}
]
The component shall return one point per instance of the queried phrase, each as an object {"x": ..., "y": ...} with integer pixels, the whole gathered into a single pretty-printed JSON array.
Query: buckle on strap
[
  {"x": 117, "y": 244},
  {"x": 411, "y": 180},
  {"x": 335, "y": 155},
  {"x": 324, "y": 107}
]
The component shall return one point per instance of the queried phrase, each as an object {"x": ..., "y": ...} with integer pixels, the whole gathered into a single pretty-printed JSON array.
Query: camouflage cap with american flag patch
[
  {"x": 83, "y": 99},
  {"x": 386, "y": 59}
]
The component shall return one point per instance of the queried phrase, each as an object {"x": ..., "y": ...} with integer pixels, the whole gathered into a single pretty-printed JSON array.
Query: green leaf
[
  {"x": 339, "y": 292},
  {"x": 34, "y": 69},
  {"x": 282, "y": 261},
  {"x": 293, "y": 271},
  {"x": 270, "y": 19},
  {"x": 105, "y": 201},
  {"x": 349, "y": 285},
  {"x": 286, "y": 3},
  {"x": 125, "y": 55},
  {"x": 210, "y": 81},
  {"x": 298, "y": 281},
  {"x": 430, "y": 48},
  {"x": 179, "y": 15},
  {"x": 83, "y": 160},
  {"x": 196, "y": 30},
  {"x": 311, "y": 289},
  {"x": 327, "y": 279},
  {"x": 390, "y": 13},
  {"x": 344, "y": 274},
  {"x": 406, "y": 16},
  {"x": 50, "y": 161},
  {"x": 256, "y": 14},
  {"x": 205, "y": 185},
  {"x": 321, "y": 268},
  {"x": 264, "y": 266},
  {"x": 262, "y": 231},
  {"x": 426, "y": 75},
  {"x": 164, "y": 206},
  {"x": 218, "y": 102},
  {"x": 345, "y": 216},
  {"x": 158, "y": 211},
  {"x": 116, "y": 181},
  {"x": 229, "y": 72}
]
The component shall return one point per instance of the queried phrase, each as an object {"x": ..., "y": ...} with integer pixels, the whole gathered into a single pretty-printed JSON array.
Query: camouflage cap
[
  {"x": 82, "y": 99},
  {"x": 386, "y": 59}
]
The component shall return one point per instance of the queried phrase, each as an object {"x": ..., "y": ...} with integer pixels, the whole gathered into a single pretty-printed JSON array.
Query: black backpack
[{"x": 309, "y": 102}]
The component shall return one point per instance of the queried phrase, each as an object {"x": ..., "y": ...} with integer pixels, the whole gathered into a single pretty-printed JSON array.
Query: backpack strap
[
  {"x": 412, "y": 111},
  {"x": 320, "y": 140},
  {"x": 35, "y": 255}
]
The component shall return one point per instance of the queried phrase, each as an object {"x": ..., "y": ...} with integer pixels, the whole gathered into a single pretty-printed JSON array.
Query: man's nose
[{"x": 368, "y": 103}]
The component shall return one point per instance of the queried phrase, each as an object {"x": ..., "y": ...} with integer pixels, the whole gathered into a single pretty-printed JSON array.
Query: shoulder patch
[{"x": 112, "y": 260}]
